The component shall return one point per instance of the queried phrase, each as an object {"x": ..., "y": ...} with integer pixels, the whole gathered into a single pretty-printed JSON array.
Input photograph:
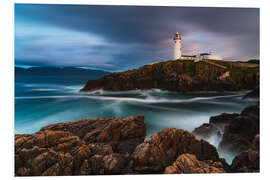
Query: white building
[
  {"x": 177, "y": 46},
  {"x": 197, "y": 57}
]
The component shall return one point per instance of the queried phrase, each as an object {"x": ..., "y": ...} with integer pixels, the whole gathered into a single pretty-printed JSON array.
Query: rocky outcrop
[
  {"x": 239, "y": 133},
  {"x": 107, "y": 146},
  {"x": 238, "y": 137},
  {"x": 180, "y": 76},
  {"x": 255, "y": 93},
  {"x": 117, "y": 146},
  {"x": 248, "y": 160},
  {"x": 162, "y": 149},
  {"x": 188, "y": 164},
  {"x": 236, "y": 130},
  {"x": 122, "y": 134},
  {"x": 90, "y": 146}
]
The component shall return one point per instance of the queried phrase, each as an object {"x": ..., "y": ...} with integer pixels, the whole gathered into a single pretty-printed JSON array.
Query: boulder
[
  {"x": 255, "y": 93},
  {"x": 188, "y": 163},
  {"x": 162, "y": 148},
  {"x": 79, "y": 148},
  {"x": 206, "y": 130},
  {"x": 238, "y": 135},
  {"x": 248, "y": 160},
  {"x": 215, "y": 127},
  {"x": 123, "y": 134},
  {"x": 49, "y": 153},
  {"x": 234, "y": 131}
]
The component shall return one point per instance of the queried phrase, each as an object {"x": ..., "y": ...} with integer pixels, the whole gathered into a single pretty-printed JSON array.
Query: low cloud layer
[{"x": 116, "y": 38}]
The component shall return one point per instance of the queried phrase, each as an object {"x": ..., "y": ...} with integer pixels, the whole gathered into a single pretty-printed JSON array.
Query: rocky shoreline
[
  {"x": 180, "y": 76},
  {"x": 118, "y": 146},
  {"x": 239, "y": 135}
]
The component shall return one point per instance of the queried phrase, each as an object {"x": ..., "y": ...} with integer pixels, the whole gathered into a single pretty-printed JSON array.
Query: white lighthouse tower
[{"x": 177, "y": 46}]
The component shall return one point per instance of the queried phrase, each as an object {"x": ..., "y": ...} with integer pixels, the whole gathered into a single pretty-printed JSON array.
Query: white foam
[
  {"x": 149, "y": 99},
  {"x": 99, "y": 91},
  {"x": 43, "y": 89}
]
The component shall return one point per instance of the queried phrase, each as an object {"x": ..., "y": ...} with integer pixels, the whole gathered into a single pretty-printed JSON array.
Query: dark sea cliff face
[{"x": 181, "y": 76}]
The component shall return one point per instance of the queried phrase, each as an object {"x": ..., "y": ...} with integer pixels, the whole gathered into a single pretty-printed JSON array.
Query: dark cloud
[{"x": 128, "y": 36}]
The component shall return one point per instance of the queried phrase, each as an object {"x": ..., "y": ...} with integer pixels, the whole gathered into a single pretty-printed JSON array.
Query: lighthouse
[{"x": 177, "y": 46}]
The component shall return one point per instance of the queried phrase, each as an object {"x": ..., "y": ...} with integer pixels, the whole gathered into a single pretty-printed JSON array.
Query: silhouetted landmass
[{"x": 254, "y": 61}]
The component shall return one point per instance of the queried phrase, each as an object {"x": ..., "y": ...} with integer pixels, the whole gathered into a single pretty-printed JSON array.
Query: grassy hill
[{"x": 182, "y": 76}]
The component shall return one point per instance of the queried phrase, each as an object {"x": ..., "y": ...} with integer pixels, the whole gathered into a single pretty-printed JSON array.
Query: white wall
[{"x": 177, "y": 49}]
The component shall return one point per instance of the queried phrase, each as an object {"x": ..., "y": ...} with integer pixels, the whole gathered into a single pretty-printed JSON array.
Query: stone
[
  {"x": 162, "y": 148},
  {"x": 248, "y": 160},
  {"x": 188, "y": 164}
]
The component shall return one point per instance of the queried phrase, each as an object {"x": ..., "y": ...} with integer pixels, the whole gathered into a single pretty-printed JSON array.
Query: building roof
[
  {"x": 202, "y": 54},
  {"x": 188, "y": 56}
]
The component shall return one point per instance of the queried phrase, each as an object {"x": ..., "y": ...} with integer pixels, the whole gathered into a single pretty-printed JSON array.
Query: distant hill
[
  {"x": 182, "y": 76},
  {"x": 253, "y": 61},
  {"x": 46, "y": 71}
]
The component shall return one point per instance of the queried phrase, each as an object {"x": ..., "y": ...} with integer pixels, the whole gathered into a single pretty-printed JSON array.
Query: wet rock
[
  {"x": 188, "y": 163},
  {"x": 162, "y": 148},
  {"x": 123, "y": 134},
  {"x": 223, "y": 118},
  {"x": 79, "y": 148},
  {"x": 48, "y": 153},
  {"x": 215, "y": 127},
  {"x": 235, "y": 132},
  {"x": 238, "y": 135},
  {"x": 255, "y": 93},
  {"x": 117, "y": 146},
  {"x": 206, "y": 130},
  {"x": 248, "y": 160},
  {"x": 114, "y": 163}
]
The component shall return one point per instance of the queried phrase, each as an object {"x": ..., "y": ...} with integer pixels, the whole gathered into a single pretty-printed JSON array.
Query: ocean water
[{"x": 43, "y": 100}]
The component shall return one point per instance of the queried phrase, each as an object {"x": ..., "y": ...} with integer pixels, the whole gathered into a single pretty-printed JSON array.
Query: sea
[{"x": 43, "y": 100}]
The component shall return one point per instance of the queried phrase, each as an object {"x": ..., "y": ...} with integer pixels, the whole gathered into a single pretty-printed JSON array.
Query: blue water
[{"x": 43, "y": 100}]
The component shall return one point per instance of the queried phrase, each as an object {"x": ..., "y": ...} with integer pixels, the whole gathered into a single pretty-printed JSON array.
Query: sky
[{"x": 117, "y": 38}]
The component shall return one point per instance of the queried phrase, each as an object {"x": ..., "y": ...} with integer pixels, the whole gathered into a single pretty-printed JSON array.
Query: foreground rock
[
  {"x": 109, "y": 146},
  {"x": 91, "y": 146},
  {"x": 181, "y": 76},
  {"x": 240, "y": 137},
  {"x": 248, "y": 160},
  {"x": 123, "y": 135},
  {"x": 255, "y": 93},
  {"x": 240, "y": 132},
  {"x": 163, "y": 148},
  {"x": 188, "y": 163},
  {"x": 236, "y": 130}
]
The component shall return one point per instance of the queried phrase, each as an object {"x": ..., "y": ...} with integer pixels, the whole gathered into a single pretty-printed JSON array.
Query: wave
[
  {"x": 42, "y": 89},
  {"x": 150, "y": 99},
  {"x": 49, "y": 97},
  {"x": 139, "y": 91},
  {"x": 161, "y": 100}
]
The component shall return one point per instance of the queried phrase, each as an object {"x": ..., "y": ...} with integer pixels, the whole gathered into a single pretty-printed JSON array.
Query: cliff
[{"x": 182, "y": 76}]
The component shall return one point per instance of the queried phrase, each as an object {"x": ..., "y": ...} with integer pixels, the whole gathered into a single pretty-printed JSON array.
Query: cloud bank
[{"x": 116, "y": 38}]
